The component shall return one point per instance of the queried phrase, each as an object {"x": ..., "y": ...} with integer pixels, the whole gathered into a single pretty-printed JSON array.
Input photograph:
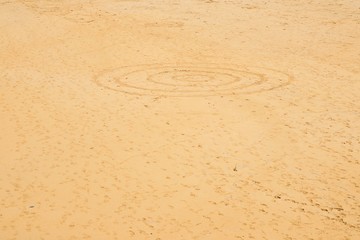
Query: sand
[{"x": 188, "y": 119}]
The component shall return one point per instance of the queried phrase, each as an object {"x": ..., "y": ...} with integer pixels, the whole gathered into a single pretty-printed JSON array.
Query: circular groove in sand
[{"x": 185, "y": 80}]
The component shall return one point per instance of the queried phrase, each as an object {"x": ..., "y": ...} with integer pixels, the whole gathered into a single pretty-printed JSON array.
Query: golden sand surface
[{"x": 169, "y": 119}]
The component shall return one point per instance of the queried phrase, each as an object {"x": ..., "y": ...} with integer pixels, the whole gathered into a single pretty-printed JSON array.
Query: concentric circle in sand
[{"x": 185, "y": 80}]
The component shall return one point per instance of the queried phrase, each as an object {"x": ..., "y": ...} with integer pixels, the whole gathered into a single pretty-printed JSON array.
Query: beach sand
[{"x": 190, "y": 119}]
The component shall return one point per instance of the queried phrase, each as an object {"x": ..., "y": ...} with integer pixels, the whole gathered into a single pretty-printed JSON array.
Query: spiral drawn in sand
[{"x": 191, "y": 80}]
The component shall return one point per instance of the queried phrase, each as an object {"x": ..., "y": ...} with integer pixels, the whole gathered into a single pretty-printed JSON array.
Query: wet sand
[{"x": 179, "y": 119}]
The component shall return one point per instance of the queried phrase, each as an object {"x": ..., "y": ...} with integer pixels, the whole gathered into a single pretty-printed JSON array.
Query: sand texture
[{"x": 179, "y": 119}]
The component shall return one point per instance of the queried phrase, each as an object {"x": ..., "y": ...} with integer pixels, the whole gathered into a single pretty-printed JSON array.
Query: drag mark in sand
[{"x": 191, "y": 80}]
